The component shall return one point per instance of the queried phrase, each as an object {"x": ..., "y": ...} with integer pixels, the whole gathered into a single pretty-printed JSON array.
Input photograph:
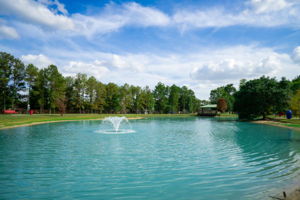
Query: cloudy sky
[{"x": 198, "y": 43}]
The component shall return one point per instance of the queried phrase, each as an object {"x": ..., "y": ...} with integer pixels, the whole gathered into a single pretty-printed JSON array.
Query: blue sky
[{"x": 198, "y": 43}]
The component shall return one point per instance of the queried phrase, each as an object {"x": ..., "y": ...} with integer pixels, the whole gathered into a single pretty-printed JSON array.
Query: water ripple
[{"x": 188, "y": 158}]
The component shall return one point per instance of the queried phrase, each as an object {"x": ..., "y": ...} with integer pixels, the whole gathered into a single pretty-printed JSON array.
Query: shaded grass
[
  {"x": 294, "y": 122},
  {"x": 230, "y": 115},
  {"x": 12, "y": 120}
]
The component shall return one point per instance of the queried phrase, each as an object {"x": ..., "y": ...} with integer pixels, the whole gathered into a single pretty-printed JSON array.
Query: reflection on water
[{"x": 178, "y": 158}]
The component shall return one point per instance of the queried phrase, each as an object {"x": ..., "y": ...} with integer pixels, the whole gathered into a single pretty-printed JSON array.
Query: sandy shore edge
[
  {"x": 57, "y": 121},
  {"x": 274, "y": 123}
]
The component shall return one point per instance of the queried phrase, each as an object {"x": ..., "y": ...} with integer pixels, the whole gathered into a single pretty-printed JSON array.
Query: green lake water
[{"x": 167, "y": 158}]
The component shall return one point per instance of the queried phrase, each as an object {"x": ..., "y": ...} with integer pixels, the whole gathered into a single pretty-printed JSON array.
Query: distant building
[{"x": 208, "y": 110}]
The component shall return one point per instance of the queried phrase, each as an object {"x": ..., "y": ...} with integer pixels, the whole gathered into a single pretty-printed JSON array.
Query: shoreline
[
  {"x": 57, "y": 121},
  {"x": 274, "y": 123},
  {"x": 265, "y": 122}
]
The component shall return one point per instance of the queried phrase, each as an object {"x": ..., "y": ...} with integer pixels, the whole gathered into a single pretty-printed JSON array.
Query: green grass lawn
[
  {"x": 226, "y": 114},
  {"x": 294, "y": 122},
  {"x": 10, "y": 120}
]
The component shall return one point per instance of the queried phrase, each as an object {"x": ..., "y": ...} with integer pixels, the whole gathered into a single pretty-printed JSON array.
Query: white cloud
[
  {"x": 265, "y": 6},
  {"x": 296, "y": 54},
  {"x": 59, "y": 6},
  {"x": 7, "y": 32},
  {"x": 144, "y": 16},
  {"x": 232, "y": 69},
  {"x": 115, "y": 17},
  {"x": 95, "y": 69},
  {"x": 40, "y": 61},
  {"x": 111, "y": 18},
  {"x": 259, "y": 13},
  {"x": 200, "y": 70},
  {"x": 35, "y": 13}
]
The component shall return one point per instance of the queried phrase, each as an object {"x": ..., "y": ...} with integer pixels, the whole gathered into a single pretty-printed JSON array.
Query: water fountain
[{"x": 116, "y": 123}]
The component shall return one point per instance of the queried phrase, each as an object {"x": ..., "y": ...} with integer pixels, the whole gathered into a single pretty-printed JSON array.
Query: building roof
[{"x": 209, "y": 106}]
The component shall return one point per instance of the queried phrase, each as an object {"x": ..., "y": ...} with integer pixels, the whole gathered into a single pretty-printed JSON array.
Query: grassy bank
[
  {"x": 281, "y": 122},
  {"x": 229, "y": 115},
  {"x": 14, "y": 120},
  {"x": 295, "y": 122}
]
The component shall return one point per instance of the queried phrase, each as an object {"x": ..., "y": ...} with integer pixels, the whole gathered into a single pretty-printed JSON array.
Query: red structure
[
  {"x": 31, "y": 112},
  {"x": 10, "y": 112}
]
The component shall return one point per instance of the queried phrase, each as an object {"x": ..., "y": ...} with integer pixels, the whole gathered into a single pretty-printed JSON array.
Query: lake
[{"x": 166, "y": 158}]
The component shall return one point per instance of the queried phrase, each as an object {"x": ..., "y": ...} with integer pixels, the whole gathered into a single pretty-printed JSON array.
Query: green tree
[
  {"x": 295, "y": 103},
  {"x": 295, "y": 84},
  {"x": 260, "y": 97},
  {"x": 100, "y": 97},
  {"x": 112, "y": 99},
  {"x": 135, "y": 92},
  {"x": 126, "y": 98},
  {"x": 31, "y": 78},
  {"x": 174, "y": 99},
  {"x": 70, "y": 94},
  {"x": 80, "y": 91},
  {"x": 91, "y": 87},
  {"x": 184, "y": 99},
  {"x": 12, "y": 80},
  {"x": 42, "y": 90},
  {"x": 224, "y": 92},
  {"x": 160, "y": 94},
  {"x": 56, "y": 87},
  {"x": 146, "y": 101}
]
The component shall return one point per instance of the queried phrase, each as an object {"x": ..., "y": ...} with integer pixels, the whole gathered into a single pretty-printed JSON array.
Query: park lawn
[
  {"x": 13, "y": 120},
  {"x": 229, "y": 115},
  {"x": 294, "y": 122}
]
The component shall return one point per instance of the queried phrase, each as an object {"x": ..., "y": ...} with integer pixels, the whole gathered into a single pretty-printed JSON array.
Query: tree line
[
  {"x": 260, "y": 97},
  {"x": 48, "y": 91}
]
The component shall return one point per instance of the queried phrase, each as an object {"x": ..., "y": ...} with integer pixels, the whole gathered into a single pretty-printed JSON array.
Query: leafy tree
[
  {"x": 295, "y": 103},
  {"x": 295, "y": 84},
  {"x": 160, "y": 94},
  {"x": 31, "y": 78},
  {"x": 191, "y": 101},
  {"x": 135, "y": 92},
  {"x": 91, "y": 87},
  {"x": 80, "y": 91},
  {"x": 100, "y": 97},
  {"x": 60, "y": 102},
  {"x": 184, "y": 99},
  {"x": 222, "y": 105},
  {"x": 146, "y": 101},
  {"x": 49, "y": 91},
  {"x": 17, "y": 81},
  {"x": 42, "y": 89},
  {"x": 112, "y": 99},
  {"x": 127, "y": 98},
  {"x": 70, "y": 95},
  {"x": 260, "y": 97},
  {"x": 12, "y": 80},
  {"x": 174, "y": 99},
  {"x": 56, "y": 87},
  {"x": 226, "y": 92}
]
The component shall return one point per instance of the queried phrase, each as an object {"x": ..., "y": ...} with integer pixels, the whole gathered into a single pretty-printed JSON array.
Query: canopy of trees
[
  {"x": 47, "y": 90},
  {"x": 225, "y": 92},
  {"x": 261, "y": 97}
]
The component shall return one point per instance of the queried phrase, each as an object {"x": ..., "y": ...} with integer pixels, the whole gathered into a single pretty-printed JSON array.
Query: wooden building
[{"x": 208, "y": 110}]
